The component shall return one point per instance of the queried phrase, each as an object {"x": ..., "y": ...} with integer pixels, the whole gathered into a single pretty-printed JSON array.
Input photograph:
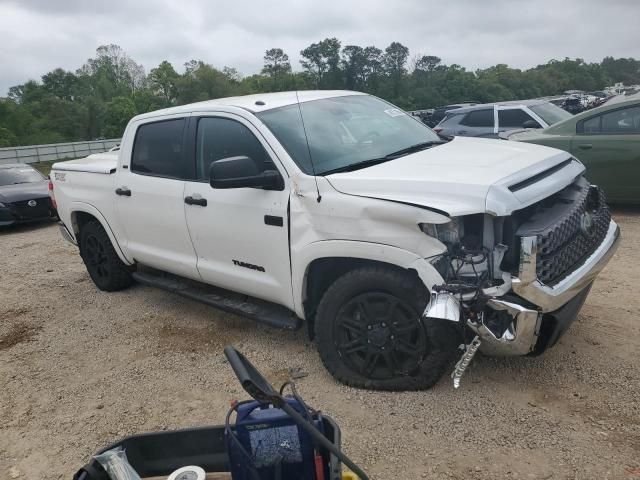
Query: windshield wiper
[
  {"x": 357, "y": 166},
  {"x": 391, "y": 156},
  {"x": 414, "y": 148}
]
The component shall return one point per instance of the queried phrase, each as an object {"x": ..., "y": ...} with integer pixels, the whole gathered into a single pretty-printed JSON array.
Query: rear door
[
  {"x": 609, "y": 146},
  {"x": 514, "y": 119},
  {"x": 150, "y": 197},
  {"x": 241, "y": 235},
  {"x": 478, "y": 123}
]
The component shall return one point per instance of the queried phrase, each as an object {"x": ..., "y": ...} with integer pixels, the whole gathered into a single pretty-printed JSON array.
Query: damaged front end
[
  {"x": 514, "y": 284},
  {"x": 474, "y": 300}
]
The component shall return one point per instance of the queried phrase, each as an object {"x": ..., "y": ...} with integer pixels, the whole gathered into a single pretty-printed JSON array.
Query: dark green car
[{"x": 606, "y": 139}]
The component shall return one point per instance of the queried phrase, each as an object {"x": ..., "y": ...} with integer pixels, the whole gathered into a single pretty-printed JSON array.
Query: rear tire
[
  {"x": 105, "y": 268},
  {"x": 370, "y": 335}
]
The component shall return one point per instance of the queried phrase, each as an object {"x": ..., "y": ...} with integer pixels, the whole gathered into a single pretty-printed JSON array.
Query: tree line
[{"x": 99, "y": 98}]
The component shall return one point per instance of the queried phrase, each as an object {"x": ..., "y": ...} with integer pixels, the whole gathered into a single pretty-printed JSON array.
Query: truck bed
[{"x": 104, "y": 163}]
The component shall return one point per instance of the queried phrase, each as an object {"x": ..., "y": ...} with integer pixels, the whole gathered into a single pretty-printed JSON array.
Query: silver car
[{"x": 489, "y": 119}]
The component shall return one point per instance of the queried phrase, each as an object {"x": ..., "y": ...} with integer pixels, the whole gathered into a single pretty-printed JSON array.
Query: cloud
[{"x": 40, "y": 35}]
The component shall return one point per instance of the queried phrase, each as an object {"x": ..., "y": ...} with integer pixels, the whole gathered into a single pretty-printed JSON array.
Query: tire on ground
[
  {"x": 105, "y": 268},
  {"x": 442, "y": 338}
]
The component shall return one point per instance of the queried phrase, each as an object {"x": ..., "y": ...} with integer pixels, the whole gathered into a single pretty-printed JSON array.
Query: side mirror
[
  {"x": 242, "y": 172},
  {"x": 531, "y": 124}
]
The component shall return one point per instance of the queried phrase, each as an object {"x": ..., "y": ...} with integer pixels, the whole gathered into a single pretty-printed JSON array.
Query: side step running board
[{"x": 243, "y": 305}]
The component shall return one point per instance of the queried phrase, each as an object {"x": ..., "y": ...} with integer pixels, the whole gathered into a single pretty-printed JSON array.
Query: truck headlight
[{"x": 448, "y": 233}]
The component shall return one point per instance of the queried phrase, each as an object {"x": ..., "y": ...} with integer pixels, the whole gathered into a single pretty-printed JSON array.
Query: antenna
[{"x": 304, "y": 129}]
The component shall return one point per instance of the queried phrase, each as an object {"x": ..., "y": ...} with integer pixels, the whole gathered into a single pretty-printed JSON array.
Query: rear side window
[
  {"x": 513, "y": 118},
  {"x": 220, "y": 138},
  {"x": 451, "y": 118},
  {"x": 478, "y": 118},
  {"x": 157, "y": 149},
  {"x": 591, "y": 125}
]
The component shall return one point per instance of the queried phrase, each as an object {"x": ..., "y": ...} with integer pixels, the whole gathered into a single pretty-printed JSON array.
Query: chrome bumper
[
  {"x": 519, "y": 339},
  {"x": 66, "y": 234},
  {"x": 548, "y": 298},
  {"x": 522, "y": 336}
]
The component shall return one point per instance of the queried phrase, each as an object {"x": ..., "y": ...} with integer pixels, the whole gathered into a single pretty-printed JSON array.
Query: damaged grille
[{"x": 570, "y": 226}]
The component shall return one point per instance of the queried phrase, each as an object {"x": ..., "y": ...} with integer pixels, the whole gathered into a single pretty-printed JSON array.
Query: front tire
[
  {"x": 370, "y": 334},
  {"x": 105, "y": 268}
]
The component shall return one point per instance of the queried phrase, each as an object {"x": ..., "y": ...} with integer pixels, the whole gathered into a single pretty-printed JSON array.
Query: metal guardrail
[{"x": 55, "y": 151}]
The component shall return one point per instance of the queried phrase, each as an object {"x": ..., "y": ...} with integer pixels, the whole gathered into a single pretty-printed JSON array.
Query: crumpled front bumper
[{"x": 536, "y": 328}]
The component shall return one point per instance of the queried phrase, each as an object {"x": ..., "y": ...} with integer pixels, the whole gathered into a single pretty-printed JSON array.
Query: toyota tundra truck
[{"x": 400, "y": 250}]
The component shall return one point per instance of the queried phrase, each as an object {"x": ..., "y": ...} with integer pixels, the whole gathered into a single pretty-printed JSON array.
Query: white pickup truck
[{"x": 396, "y": 247}]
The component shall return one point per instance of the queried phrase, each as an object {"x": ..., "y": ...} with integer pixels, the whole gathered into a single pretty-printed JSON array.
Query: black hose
[
  {"x": 232, "y": 435},
  {"x": 322, "y": 440}
]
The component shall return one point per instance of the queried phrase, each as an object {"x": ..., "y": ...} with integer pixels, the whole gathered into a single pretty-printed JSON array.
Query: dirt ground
[{"x": 80, "y": 368}]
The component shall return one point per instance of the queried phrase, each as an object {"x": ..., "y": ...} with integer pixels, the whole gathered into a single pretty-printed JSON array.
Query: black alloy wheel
[{"x": 380, "y": 336}]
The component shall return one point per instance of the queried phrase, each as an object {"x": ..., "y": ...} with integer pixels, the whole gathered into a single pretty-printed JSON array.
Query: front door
[
  {"x": 150, "y": 198},
  {"x": 241, "y": 235}
]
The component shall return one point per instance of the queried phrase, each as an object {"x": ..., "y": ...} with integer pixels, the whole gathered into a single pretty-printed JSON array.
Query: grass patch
[{"x": 44, "y": 167}]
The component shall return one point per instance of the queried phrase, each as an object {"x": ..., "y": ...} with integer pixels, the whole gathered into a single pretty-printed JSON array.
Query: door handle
[
  {"x": 585, "y": 146},
  {"x": 462, "y": 132},
  {"x": 123, "y": 191},
  {"x": 195, "y": 201}
]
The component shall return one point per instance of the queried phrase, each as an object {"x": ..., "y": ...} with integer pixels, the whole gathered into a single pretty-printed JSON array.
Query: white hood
[{"x": 465, "y": 176}]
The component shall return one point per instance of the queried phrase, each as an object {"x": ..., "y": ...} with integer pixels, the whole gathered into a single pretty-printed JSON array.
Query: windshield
[
  {"x": 550, "y": 113},
  {"x": 13, "y": 176},
  {"x": 344, "y": 131}
]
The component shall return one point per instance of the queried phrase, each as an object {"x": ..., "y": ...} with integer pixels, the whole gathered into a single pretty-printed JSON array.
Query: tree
[
  {"x": 118, "y": 113},
  {"x": 7, "y": 138},
  {"x": 395, "y": 61},
  {"x": 276, "y": 63},
  {"x": 162, "y": 81},
  {"x": 60, "y": 83},
  {"x": 278, "y": 70},
  {"x": 321, "y": 62},
  {"x": 113, "y": 72},
  {"x": 354, "y": 63},
  {"x": 232, "y": 74},
  {"x": 426, "y": 63},
  {"x": 203, "y": 82}
]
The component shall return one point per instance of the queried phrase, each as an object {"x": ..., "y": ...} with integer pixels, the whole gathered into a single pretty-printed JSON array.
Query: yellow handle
[{"x": 349, "y": 476}]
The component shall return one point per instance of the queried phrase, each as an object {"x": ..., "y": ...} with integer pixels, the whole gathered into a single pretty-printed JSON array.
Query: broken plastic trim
[{"x": 443, "y": 306}]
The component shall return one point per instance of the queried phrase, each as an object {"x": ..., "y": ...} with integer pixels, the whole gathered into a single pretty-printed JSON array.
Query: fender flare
[
  {"x": 76, "y": 207},
  {"x": 302, "y": 259}
]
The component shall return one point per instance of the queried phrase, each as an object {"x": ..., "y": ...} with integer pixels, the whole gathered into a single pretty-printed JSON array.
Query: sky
[{"x": 40, "y": 35}]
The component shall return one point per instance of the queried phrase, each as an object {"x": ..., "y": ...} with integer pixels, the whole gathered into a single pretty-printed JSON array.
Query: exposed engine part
[
  {"x": 443, "y": 306},
  {"x": 497, "y": 256},
  {"x": 465, "y": 360},
  {"x": 499, "y": 290}
]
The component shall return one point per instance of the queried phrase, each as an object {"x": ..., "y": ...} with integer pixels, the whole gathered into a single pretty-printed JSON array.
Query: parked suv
[
  {"x": 441, "y": 112},
  {"x": 487, "y": 120}
]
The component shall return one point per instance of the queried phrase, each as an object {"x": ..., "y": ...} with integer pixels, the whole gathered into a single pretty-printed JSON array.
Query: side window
[
  {"x": 478, "y": 118},
  {"x": 513, "y": 118},
  {"x": 591, "y": 126},
  {"x": 220, "y": 138},
  {"x": 625, "y": 120},
  {"x": 157, "y": 149}
]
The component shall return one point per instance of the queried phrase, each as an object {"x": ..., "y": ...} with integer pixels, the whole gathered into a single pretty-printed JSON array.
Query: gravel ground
[{"x": 80, "y": 368}]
